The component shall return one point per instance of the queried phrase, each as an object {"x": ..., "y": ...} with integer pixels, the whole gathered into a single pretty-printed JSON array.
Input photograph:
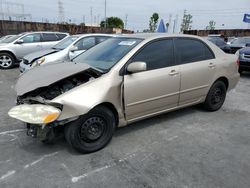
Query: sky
[{"x": 227, "y": 14}]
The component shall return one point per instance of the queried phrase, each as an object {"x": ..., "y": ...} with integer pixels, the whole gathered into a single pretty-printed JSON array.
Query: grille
[{"x": 247, "y": 56}]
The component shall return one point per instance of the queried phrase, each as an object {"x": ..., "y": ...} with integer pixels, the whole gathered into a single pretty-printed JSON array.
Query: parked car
[
  {"x": 122, "y": 80},
  {"x": 218, "y": 42},
  {"x": 231, "y": 39},
  {"x": 13, "y": 49},
  {"x": 238, "y": 44},
  {"x": 5, "y": 37},
  {"x": 244, "y": 58},
  {"x": 65, "y": 50}
]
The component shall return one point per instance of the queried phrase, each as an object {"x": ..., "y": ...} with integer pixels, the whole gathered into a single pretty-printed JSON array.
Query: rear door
[
  {"x": 157, "y": 89},
  {"x": 49, "y": 40},
  {"x": 197, "y": 66}
]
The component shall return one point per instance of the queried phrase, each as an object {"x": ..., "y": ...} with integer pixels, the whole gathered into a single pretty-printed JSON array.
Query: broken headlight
[{"x": 35, "y": 113}]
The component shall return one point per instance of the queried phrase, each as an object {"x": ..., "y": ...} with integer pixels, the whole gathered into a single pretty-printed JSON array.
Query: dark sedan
[
  {"x": 238, "y": 44},
  {"x": 218, "y": 41},
  {"x": 244, "y": 59}
]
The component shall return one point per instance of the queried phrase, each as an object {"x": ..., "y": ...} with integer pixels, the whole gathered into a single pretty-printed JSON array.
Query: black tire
[
  {"x": 216, "y": 96},
  {"x": 7, "y": 60},
  {"x": 91, "y": 132}
]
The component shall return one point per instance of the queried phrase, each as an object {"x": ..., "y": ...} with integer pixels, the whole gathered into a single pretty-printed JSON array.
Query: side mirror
[
  {"x": 248, "y": 45},
  {"x": 20, "y": 41},
  {"x": 73, "y": 48},
  {"x": 137, "y": 67}
]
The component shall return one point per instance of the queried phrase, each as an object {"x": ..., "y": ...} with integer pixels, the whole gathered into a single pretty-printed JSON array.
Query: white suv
[{"x": 13, "y": 49}]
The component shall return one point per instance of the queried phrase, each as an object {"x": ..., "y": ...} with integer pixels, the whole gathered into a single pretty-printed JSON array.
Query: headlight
[
  {"x": 38, "y": 62},
  {"x": 35, "y": 113}
]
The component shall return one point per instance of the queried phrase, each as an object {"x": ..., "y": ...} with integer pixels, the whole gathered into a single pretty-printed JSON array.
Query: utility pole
[
  {"x": 170, "y": 22},
  {"x": 105, "y": 14},
  {"x": 126, "y": 21},
  {"x": 61, "y": 16},
  {"x": 91, "y": 15},
  {"x": 83, "y": 19},
  {"x": 175, "y": 23}
]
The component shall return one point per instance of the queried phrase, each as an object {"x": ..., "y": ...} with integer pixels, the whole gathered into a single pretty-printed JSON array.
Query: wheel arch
[
  {"x": 9, "y": 52},
  {"x": 224, "y": 80},
  {"x": 111, "y": 107}
]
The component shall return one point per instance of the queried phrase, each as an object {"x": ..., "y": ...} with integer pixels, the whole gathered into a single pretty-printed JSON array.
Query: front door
[
  {"x": 157, "y": 89},
  {"x": 31, "y": 43}
]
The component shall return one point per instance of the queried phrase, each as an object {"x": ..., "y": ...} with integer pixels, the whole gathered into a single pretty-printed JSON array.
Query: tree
[
  {"x": 113, "y": 22},
  {"x": 186, "y": 22},
  {"x": 153, "y": 22},
  {"x": 211, "y": 25}
]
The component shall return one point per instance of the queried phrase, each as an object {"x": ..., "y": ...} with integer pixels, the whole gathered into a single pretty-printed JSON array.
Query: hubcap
[
  {"x": 92, "y": 129},
  {"x": 5, "y": 61},
  {"x": 217, "y": 96}
]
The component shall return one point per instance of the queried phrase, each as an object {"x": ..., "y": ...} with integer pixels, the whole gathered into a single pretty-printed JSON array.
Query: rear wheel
[
  {"x": 6, "y": 60},
  {"x": 216, "y": 96},
  {"x": 92, "y": 131}
]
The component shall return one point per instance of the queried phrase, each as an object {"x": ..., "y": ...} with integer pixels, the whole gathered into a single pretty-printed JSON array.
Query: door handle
[
  {"x": 173, "y": 73},
  {"x": 211, "y": 65}
]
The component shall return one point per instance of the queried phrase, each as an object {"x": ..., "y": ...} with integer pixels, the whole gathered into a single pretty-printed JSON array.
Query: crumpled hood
[
  {"x": 43, "y": 76},
  {"x": 36, "y": 55}
]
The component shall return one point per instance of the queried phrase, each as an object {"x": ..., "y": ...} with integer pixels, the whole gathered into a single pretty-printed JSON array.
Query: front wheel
[
  {"x": 6, "y": 61},
  {"x": 92, "y": 131},
  {"x": 216, "y": 96}
]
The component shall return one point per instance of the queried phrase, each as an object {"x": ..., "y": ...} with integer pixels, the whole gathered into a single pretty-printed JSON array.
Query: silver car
[
  {"x": 121, "y": 81},
  {"x": 65, "y": 50},
  {"x": 13, "y": 49}
]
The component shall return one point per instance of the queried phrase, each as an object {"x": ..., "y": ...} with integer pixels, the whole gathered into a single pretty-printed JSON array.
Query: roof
[
  {"x": 93, "y": 34},
  {"x": 156, "y": 35}
]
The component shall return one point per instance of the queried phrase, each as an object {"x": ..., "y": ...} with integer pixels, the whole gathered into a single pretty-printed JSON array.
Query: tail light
[{"x": 238, "y": 61}]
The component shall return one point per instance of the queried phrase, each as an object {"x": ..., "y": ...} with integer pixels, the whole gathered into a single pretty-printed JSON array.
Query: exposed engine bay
[{"x": 50, "y": 92}]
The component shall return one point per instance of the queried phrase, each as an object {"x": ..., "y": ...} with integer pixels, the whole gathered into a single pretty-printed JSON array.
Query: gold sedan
[{"x": 122, "y": 80}]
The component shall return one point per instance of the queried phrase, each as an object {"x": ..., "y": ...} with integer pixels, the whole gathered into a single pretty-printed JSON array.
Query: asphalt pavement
[{"x": 186, "y": 148}]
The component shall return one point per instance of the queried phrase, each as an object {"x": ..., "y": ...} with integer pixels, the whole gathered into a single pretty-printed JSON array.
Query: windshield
[
  {"x": 10, "y": 39},
  {"x": 65, "y": 42},
  {"x": 105, "y": 55}
]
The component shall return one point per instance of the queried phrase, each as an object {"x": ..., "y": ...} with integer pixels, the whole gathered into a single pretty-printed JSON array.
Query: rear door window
[
  {"x": 60, "y": 36},
  {"x": 191, "y": 50},
  {"x": 158, "y": 54},
  {"x": 85, "y": 43},
  {"x": 47, "y": 37},
  {"x": 100, "y": 39}
]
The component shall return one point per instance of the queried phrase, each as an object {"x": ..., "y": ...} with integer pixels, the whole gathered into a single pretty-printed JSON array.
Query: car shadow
[
  {"x": 156, "y": 120},
  {"x": 245, "y": 75},
  {"x": 61, "y": 144}
]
